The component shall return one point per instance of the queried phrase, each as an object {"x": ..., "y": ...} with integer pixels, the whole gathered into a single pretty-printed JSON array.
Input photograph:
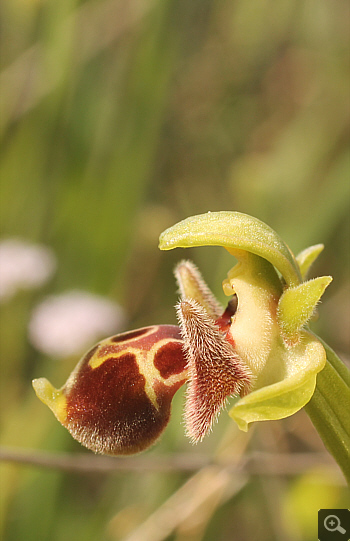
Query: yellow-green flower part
[{"x": 268, "y": 329}]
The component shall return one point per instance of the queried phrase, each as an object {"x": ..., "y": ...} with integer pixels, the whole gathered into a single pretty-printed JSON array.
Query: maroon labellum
[{"x": 118, "y": 399}]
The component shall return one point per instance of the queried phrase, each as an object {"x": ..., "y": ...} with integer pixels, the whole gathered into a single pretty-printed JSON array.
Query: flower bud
[{"x": 117, "y": 401}]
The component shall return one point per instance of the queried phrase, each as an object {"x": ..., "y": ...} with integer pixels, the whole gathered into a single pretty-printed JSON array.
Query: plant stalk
[{"x": 329, "y": 409}]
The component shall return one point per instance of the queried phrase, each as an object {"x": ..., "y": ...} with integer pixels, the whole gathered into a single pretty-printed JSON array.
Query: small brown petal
[{"x": 215, "y": 370}]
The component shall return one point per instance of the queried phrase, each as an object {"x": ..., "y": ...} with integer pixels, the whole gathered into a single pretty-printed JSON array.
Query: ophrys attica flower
[{"x": 117, "y": 400}]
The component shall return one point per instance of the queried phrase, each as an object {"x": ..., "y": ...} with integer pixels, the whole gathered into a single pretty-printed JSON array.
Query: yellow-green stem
[{"x": 328, "y": 409}]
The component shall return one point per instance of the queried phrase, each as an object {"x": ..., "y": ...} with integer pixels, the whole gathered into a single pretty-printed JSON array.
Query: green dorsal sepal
[{"x": 234, "y": 230}]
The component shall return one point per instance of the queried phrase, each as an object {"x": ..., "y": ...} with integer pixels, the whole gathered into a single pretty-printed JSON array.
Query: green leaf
[{"x": 234, "y": 231}]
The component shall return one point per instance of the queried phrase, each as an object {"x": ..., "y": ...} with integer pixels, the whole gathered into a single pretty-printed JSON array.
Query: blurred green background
[{"x": 119, "y": 118}]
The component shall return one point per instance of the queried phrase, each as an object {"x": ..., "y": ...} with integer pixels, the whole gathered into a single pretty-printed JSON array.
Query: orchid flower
[{"x": 258, "y": 349}]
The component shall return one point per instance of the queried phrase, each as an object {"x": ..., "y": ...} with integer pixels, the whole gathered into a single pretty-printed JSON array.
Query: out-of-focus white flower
[
  {"x": 23, "y": 265},
  {"x": 66, "y": 324}
]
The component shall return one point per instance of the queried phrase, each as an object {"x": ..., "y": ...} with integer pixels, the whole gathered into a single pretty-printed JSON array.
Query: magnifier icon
[{"x": 332, "y": 524}]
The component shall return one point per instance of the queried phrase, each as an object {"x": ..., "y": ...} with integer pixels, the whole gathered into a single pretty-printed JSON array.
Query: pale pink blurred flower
[
  {"x": 23, "y": 265},
  {"x": 69, "y": 323}
]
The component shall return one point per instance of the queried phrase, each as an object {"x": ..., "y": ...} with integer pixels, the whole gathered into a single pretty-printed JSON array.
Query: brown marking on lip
[
  {"x": 108, "y": 409},
  {"x": 168, "y": 331},
  {"x": 89, "y": 354},
  {"x": 164, "y": 392},
  {"x": 170, "y": 359},
  {"x": 144, "y": 339},
  {"x": 130, "y": 335},
  {"x": 159, "y": 333}
]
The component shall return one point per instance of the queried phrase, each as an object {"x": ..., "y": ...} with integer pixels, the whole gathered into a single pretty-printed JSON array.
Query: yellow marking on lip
[
  {"x": 95, "y": 362},
  {"x": 176, "y": 378}
]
